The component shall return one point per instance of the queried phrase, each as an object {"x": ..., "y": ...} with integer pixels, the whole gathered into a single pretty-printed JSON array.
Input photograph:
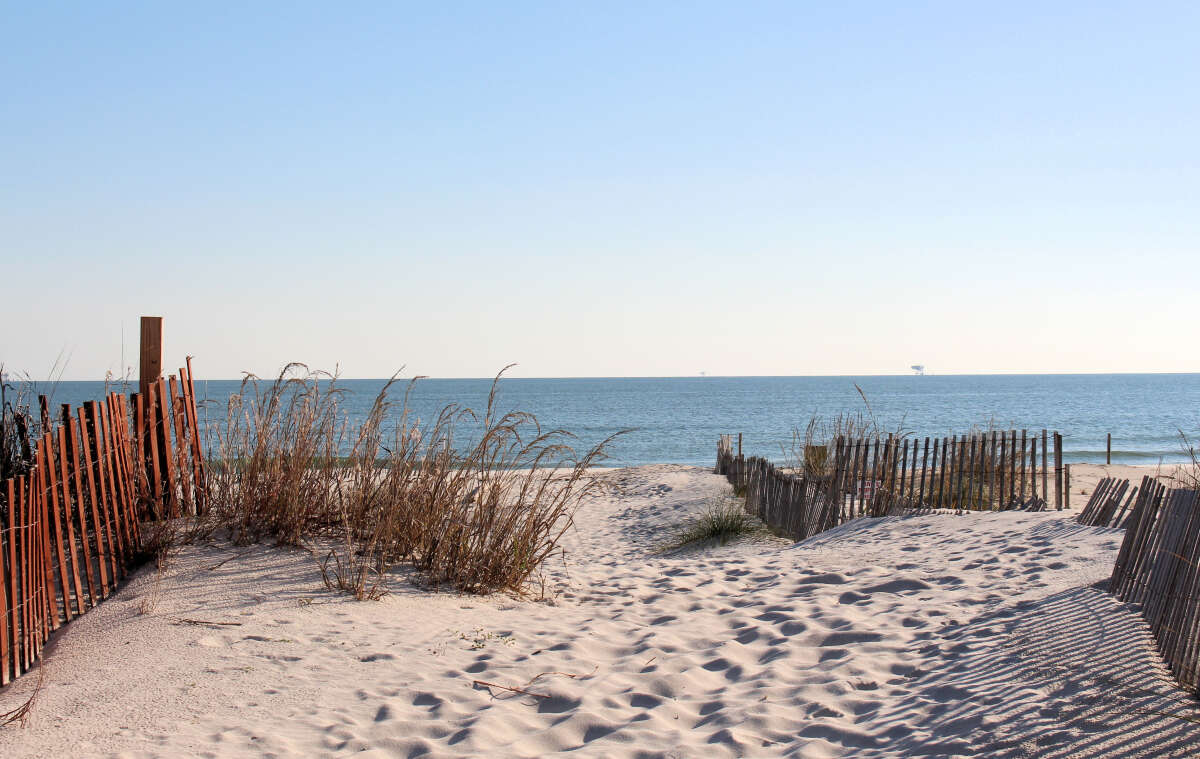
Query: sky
[{"x": 601, "y": 189}]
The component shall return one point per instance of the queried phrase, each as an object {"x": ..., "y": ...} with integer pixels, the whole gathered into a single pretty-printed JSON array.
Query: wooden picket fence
[
  {"x": 168, "y": 442},
  {"x": 875, "y": 476},
  {"x": 977, "y": 472},
  {"x": 1158, "y": 568},
  {"x": 793, "y": 505},
  {"x": 1110, "y": 504},
  {"x": 70, "y": 526}
]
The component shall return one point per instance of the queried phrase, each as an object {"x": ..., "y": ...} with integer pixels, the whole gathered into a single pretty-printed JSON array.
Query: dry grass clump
[
  {"x": 274, "y": 470},
  {"x": 18, "y": 428},
  {"x": 811, "y": 450},
  {"x": 20, "y": 715},
  {"x": 479, "y": 515},
  {"x": 1188, "y": 473}
]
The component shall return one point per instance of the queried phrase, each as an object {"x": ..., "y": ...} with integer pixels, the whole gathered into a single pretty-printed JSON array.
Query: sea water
[{"x": 678, "y": 419}]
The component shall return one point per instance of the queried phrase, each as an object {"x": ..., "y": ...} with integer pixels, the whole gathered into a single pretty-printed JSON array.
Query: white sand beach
[{"x": 932, "y": 635}]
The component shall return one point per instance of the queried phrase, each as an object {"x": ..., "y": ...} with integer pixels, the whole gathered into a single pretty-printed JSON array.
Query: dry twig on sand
[
  {"x": 508, "y": 688},
  {"x": 20, "y": 715},
  {"x": 226, "y": 560},
  {"x": 540, "y": 675},
  {"x": 571, "y": 675}
]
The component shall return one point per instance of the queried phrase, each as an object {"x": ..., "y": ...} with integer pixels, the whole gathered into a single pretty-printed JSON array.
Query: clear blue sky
[{"x": 602, "y": 189}]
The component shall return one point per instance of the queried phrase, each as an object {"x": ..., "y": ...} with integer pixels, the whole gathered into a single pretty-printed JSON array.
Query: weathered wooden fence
[
  {"x": 1110, "y": 504},
  {"x": 69, "y": 526},
  {"x": 795, "y": 505},
  {"x": 168, "y": 443},
  {"x": 980, "y": 472},
  {"x": 877, "y": 475},
  {"x": 1158, "y": 567}
]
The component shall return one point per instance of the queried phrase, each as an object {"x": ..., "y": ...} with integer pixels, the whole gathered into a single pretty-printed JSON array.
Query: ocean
[{"x": 678, "y": 419}]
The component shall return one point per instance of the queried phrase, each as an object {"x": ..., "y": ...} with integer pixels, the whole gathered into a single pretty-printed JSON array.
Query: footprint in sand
[
  {"x": 792, "y": 627},
  {"x": 644, "y": 701},
  {"x": 376, "y": 657},
  {"x": 747, "y": 636},
  {"x": 897, "y": 586},
  {"x": 849, "y": 638}
]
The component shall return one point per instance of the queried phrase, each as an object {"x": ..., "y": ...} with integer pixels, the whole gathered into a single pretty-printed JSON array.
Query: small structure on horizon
[{"x": 919, "y": 369}]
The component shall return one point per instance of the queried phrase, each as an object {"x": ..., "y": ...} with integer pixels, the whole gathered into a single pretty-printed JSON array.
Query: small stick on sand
[
  {"x": 505, "y": 687},
  {"x": 226, "y": 560},
  {"x": 186, "y": 621},
  {"x": 564, "y": 674}
]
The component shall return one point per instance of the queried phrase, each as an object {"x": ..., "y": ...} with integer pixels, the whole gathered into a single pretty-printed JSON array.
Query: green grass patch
[{"x": 722, "y": 520}]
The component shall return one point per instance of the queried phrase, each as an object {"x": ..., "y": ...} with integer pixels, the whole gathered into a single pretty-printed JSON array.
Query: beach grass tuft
[
  {"x": 475, "y": 501},
  {"x": 722, "y": 520}
]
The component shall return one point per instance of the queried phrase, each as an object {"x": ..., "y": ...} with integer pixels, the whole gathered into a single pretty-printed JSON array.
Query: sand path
[{"x": 935, "y": 635}]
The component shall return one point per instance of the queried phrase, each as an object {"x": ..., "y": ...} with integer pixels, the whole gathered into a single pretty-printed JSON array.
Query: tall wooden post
[
  {"x": 1108, "y": 450},
  {"x": 150, "y": 365},
  {"x": 1058, "y": 472},
  {"x": 1033, "y": 489},
  {"x": 1045, "y": 469},
  {"x": 149, "y": 375}
]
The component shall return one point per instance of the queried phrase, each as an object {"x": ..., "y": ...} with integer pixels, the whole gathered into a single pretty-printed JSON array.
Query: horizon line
[{"x": 7, "y": 377}]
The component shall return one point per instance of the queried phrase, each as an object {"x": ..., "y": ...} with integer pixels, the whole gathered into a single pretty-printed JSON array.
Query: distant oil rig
[{"x": 918, "y": 369}]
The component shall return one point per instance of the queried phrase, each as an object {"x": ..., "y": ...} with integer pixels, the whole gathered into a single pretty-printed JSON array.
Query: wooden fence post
[
  {"x": 150, "y": 359},
  {"x": 46, "y": 490},
  {"x": 1045, "y": 468},
  {"x": 8, "y": 625},
  {"x": 941, "y": 491},
  {"x": 72, "y": 447},
  {"x": 1058, "y": 472},
  {"x": 854, "y": 458},
  {"x": 19, "y": 555},
  {"x": 1024, "y": 447},
  {"x": 960, "y": 450},
  {"x": 1012, "y": 463},
  {"x": 198, "y": 476},
  {"x": 925, "y": 470},
  {"x": 890, "y": 467}
]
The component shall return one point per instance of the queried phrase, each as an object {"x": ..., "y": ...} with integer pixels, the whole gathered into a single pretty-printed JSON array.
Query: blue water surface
[{"x": 678, "y": 420}]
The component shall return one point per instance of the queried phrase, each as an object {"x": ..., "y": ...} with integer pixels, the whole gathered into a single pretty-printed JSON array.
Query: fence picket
[
  {"x": 72, "y": 447},
  {"x": 104, "y": 550},
  {"x": 72, "y": 551},
  {"x": 58, "y": 538},
  {"x": 51, "y": 620},
  {"x": 10, "y": 629}
]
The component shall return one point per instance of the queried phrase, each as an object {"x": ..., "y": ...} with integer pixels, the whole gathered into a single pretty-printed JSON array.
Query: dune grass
[
  {"x": 722, "y": 520},
  {"x": 479, "y": 514}
]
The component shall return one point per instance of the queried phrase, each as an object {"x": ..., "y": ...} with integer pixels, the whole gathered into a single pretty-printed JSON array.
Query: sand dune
[{"x": 934, "y": 635}]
